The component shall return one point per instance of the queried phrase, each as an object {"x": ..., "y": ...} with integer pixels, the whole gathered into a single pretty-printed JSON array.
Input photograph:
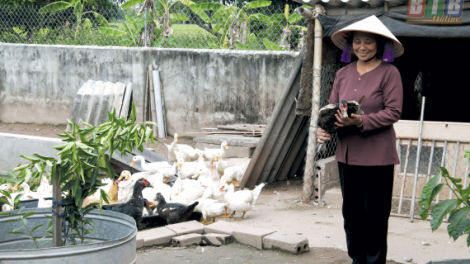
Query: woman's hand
[
  {"x": 322, "y": 136},
  {"x": 353, "y": 120}
]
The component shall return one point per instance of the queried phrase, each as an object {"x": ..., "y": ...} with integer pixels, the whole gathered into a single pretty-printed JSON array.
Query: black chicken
[
  {"x": 326, "y": 115},
  {"x": 174, "y": 212},
  {"x": 135, "y": 205}
]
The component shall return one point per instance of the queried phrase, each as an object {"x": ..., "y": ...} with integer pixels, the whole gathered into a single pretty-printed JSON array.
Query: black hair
[{"x": 381, "y": 40}]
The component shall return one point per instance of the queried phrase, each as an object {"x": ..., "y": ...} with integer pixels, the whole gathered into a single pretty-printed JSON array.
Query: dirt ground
[{"x": 278, "y": 208}]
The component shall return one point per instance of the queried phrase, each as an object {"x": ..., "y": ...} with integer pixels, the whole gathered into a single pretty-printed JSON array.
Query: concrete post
[{"x": 312, "y": 136}]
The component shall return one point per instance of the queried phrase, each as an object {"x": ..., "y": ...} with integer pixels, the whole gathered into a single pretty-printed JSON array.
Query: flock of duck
[{"x": 146, "y": 195}]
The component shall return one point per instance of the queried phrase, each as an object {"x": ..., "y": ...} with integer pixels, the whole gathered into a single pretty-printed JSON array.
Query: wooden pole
[
  {"x": 308, "y": 188},
  {"x": 57, "y": 221}
]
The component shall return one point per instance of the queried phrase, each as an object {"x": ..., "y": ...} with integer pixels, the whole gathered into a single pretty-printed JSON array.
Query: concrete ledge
[
  {"x": 286, "y": 242},
  {"x": 156, "y": 237},
  {"x": 15, "y": 145},
  {"x": 232, "y": 140},
  {"x": 251, "y": 236},
  {"x": 187, "y": 228}
]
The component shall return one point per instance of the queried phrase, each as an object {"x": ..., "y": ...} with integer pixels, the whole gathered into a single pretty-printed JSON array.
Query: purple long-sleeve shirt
[{"x": 374, "y": 144}]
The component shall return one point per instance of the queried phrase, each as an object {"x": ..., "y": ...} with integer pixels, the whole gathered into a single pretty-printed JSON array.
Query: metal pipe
[
  {"x": 158, "y": 104},
  {"x": 418, "y": 155},
  {"x": 305, "y": 12},
  {"x": 402, "y": 189},
  {"x": 145, "y": 40},
  {"x": 308, "y": 187}
]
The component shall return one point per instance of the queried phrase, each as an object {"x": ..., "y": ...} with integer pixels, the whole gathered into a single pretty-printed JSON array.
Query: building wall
[{"x": 202, "y": 88}]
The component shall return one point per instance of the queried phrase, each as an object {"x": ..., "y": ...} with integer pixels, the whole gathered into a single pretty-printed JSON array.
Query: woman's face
[{"x": 364, "y": 45}]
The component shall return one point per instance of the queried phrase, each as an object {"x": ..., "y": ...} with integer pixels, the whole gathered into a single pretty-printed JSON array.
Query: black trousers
[{"x": 367, "y": 201}]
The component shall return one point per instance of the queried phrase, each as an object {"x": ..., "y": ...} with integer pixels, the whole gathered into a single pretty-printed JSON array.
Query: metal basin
[{"x": 113, "y": 242}]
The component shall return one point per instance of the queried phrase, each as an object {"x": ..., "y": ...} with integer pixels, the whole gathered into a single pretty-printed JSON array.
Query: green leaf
[
  {"x": 28, "y": 175},
  {"x": 151, "y": 123},
  {"x": 30, "y": 159},
  {"x": 17, "y": 233},
  {"x": 7, "y": 213},
  {"x": 9, "y": 221},
  {"x": 28, "y": 214},
  {"x": 3, "y": 200},
  {"x": 133, "y": 112},
  {"x": 259, "y": 17},
  {"x": 17, "y": 198},
  {"x": 257, "y": 4},
  {"x": 35, "y": 228},
  {"x": 75, "y": 187},
  {"x": 104, "y": 23},
  {"x": 20, "y": 209},
  {"x": 207, "y": 6},
  {"x": 178, "y": 17},
  {"x": 7, "y": 194},
  {"x": 86, "y": 25},
  {"x": 131, "y": 3},
  {"x": 18, "y": 228},
  {"x": 440, "y": 210},
  {"x": 105, "y": 196},
  {"x": 294, "y": 18},
  {"x": 20, "y": 168},
  {"x": 455, "y": 220},
  {"x": 78, "y": 8},
  {"x": 54, "y": 7},
  {"x": 223, "y": 12}
]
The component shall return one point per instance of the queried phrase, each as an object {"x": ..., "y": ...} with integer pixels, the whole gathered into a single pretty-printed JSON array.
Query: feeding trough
[{"x": 113, "y": 242}]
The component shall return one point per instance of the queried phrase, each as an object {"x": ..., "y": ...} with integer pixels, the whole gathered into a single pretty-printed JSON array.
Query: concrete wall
[
  {"x": 202, "y": 88},
  {"x": 14, "y": 145}
]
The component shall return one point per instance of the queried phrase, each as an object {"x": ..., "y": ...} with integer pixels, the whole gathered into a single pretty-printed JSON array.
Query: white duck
[
  {"x": 241, "y": 201},
  {"x": 213, "y": 210},
  {"x": 187, "y": 169},
  {"x": 158, "y": 187},
  {"x": 213, "y": 192},
  {"x": 232, "y": 174},
  {"x": 125, "y": 190},
  {"x": 187, "y": 152},
  {"x": 44, "y": 188},
  {"x": 188, "y": 196},
  {"x": 150, "y": 167},
  {"x": 214, "y": 154},
  {"x": 221, "y": 166},
  {"x": 169, "y": 172},
  {"x": 172, "y": 148}
]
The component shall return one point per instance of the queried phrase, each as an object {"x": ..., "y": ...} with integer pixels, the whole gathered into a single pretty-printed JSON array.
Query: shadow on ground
[{"x": 237, "y": 253}]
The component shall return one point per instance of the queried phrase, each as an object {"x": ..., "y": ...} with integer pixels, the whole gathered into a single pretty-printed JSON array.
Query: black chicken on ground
[
  {"x": 174, "y": 212},
  {"x": 326, "y": 116},
  {"x": 134, "y": 207}
]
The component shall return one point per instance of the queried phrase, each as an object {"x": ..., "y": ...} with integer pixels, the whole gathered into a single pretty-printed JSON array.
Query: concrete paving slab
[
  {"x": 139, "y": 241},
  {"x": 187, "y": 228},
  {"x": 251, "y": 236},
  {"x": 222, "y": 227},
  {"x": 156, "y": 237},
  {"x": 217, "y": 239},
  {"x": 187, "y": 240},
  {"x": 232, "y": 152},
  {"x": 291, "y": 243}
]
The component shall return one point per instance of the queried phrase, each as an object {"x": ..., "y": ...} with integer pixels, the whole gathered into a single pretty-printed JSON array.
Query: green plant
[
  {"x": 83, "y": 159},
  {"x": 78, "y": 11},
  {"x": 458, "y": 209},
  {"x": 22, "y": 229},
  {"x": 128, "y": 31}
]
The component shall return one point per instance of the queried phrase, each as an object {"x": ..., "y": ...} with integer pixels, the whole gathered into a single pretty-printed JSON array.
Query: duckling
[{"x": 241, "y": 200}]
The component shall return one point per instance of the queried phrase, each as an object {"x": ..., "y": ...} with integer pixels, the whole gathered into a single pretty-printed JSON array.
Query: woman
[{"x": 366, "y": 150}]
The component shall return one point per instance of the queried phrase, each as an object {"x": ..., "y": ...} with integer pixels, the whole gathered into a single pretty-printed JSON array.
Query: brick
[
  {"x": 157, "y": 237},
  {"x": 217, "y": 239},
  {"x": 222, "y": 227},
  {"x": 187, "y": 228},
  {"x": 251, "y": 236},
  {"x": 286, "y": 242},
  {"x": 187, "y": 240}
]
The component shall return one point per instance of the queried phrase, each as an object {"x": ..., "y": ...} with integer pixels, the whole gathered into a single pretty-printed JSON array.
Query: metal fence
[
  {"x": 425, "y": 164},
  {"x": 204, "y": 27}
]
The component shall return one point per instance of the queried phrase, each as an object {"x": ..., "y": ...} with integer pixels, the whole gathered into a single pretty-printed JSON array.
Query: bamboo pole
[
  {"x": 57, "y": 221},
  {"x": 308, "y": 188}
]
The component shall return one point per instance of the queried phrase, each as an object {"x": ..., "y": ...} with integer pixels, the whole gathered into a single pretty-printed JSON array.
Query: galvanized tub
[{"x": 114, "y": 241}]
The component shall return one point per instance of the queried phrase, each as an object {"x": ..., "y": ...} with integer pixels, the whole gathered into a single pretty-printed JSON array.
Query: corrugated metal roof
[
  {"x": 353, "y": 3},
  {"x": 94, "y": 98}
]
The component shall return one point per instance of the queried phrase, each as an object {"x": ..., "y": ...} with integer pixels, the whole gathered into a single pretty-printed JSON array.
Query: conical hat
[{"x": 371, "y": 25}]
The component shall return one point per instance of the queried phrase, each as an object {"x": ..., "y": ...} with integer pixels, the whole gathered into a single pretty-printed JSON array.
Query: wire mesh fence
[
  {"x": 198, "y": 26},
  {"x": 425, "y": 164}
]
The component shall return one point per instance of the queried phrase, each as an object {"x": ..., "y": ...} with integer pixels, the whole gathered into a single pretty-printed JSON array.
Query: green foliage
[
  {"x": 83, "y": 159},
  {"x": 458, "y": 209},
  {"x": 271, "y": 45},
  {"x": 22, "y": 229}
]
